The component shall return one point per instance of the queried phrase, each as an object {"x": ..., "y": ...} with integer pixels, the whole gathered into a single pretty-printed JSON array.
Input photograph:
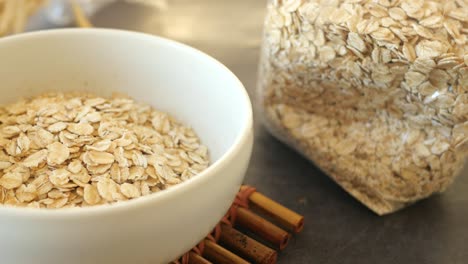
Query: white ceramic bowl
[{"x": 172, "y": 77}]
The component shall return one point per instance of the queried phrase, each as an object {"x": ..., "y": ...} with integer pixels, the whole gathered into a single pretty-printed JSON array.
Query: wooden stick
[
  {"x": 262, "y": 227},
  {"x": 197, "y": 259},
  {"x": 20, "y": 16},
  {"x": 220, "y": 255},
  {"x": 288, "y": 219},
  {"x": 246, "y": 246},
  {"x": 80, "y": 17},
  {"x": 7, "y": 16}
]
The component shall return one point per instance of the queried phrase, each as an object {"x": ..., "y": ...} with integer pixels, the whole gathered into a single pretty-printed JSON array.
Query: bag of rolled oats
[{"x": 374, "y": 92}]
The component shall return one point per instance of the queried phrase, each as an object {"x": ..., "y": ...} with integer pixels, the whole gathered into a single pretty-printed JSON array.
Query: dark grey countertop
[{"x": 337, "y": 228}]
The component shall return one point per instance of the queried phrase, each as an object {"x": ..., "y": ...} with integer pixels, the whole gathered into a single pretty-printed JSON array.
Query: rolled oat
[
  {"x": 75, "y": 150},
  {"x": 375, "y": 92}
]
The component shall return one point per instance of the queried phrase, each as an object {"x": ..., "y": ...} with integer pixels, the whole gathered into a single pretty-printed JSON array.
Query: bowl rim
[{"x": 120, "y": 207}]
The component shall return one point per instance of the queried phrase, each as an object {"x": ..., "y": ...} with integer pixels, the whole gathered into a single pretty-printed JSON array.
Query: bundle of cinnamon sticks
[{"x": 227, "y": 245}]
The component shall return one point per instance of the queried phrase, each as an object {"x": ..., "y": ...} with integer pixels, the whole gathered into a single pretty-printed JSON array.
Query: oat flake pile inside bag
[{"x": 374, "y": 92}]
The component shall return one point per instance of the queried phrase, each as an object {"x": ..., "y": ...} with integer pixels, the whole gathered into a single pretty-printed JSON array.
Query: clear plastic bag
[{"x": 375, "y": 93}]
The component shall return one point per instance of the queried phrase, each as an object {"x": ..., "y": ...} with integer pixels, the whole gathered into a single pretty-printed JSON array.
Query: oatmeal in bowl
[
  {"x": 74, "y": 150},
  {"x": 89, "y": 177}
]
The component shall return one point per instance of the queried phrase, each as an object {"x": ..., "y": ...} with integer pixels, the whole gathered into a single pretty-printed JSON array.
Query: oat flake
[
  {"x": 82, "y": 150},
  {"x": 376, "y": 97}
]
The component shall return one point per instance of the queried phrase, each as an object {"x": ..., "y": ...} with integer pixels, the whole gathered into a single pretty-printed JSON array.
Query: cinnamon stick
[
  {"x": 197, "y": 259},
  {"x": 246, "y": 246},
  {"x": 288, "y": 219},
  {"x": 262, "y": 227},
  {"x": 220, "y": 255}
]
